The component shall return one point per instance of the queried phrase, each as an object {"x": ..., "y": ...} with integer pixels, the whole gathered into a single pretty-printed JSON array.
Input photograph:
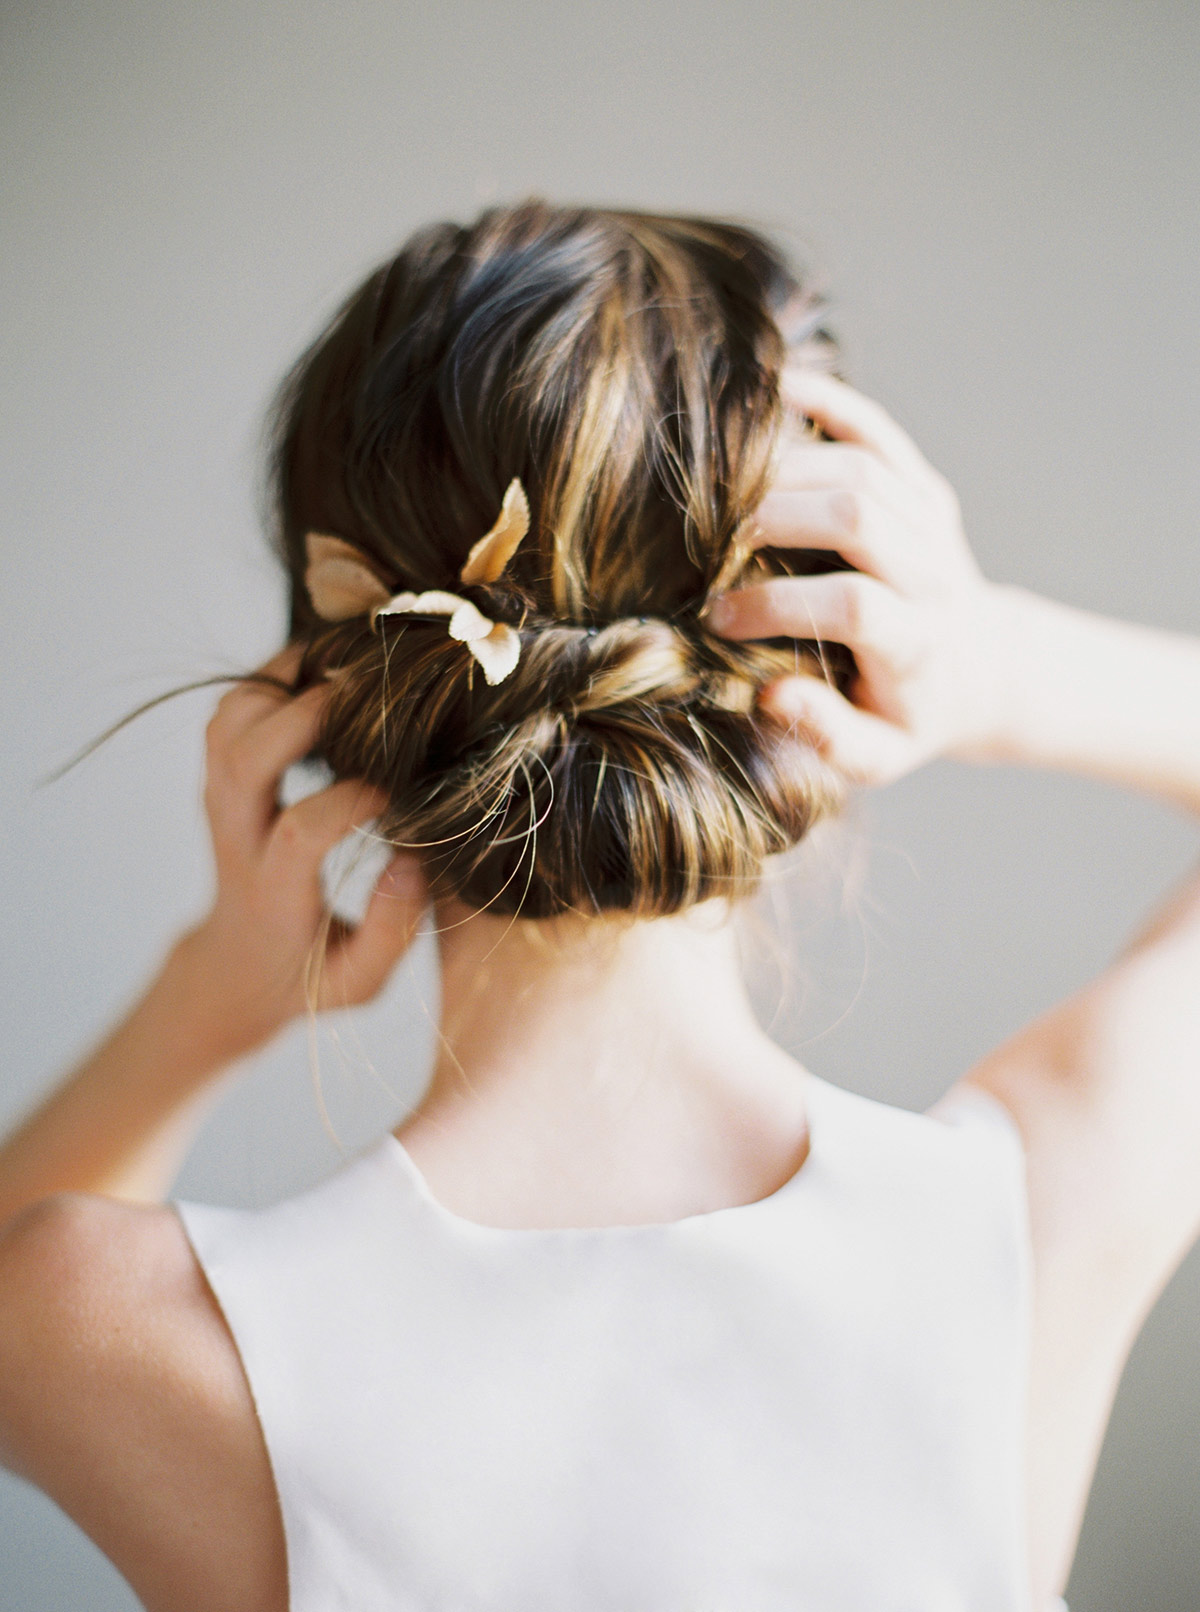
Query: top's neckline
[{"x": 788, "y": 1188}]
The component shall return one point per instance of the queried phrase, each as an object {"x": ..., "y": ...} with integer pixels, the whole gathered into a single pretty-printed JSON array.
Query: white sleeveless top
[{"x": 813, "y": 1403}]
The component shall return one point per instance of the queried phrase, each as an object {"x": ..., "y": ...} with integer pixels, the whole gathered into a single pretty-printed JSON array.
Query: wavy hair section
[{"x": 626, "y": 367}]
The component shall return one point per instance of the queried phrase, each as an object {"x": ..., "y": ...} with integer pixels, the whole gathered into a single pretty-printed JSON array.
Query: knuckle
[
  {"x": 875, "y": 478},
  {"x": 214, "y": 792},
  {"x": 849, "y": 511},
  {"x": 942, "y": 490},
  {"x": 238, "y": 767},
  {"x": 815, "y": 738},
  {"x": 225, "y": 706},
  {"x": 816, "y": 735},
  {"x": 752, "y": 610},
  {"x": 220, "y": 786},
  {"x": 775, "y": 609},
  {"x": 293, "y": 831},
  {"x": 855, "y": 606},
  {"x": 214, "y": 731},
  {"x": 950, "y": 501}
]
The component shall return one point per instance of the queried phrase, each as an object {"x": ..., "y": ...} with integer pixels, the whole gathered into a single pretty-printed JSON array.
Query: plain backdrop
[{"x": 1001, "y": 200}]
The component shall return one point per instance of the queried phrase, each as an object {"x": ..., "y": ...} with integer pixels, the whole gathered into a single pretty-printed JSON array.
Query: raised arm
[
  {"x": 122, "y": 1122},
  {"x": 1105, "y": 1088},
  {"x": 949, "y": 663}
]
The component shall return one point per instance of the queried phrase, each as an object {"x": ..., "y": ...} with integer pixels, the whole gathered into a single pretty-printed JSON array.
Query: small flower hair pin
[{"x": 342, "y": 584}]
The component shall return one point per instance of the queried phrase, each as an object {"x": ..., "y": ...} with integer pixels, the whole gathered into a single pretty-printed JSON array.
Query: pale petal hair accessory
[{"x": 342, "y": 584}]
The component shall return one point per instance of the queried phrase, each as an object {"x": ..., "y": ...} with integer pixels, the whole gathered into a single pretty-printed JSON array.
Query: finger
[
  {"x": 280, "y": 738},
  {"x": 863, "y": 748},
  {"x": 244, "y": 773},
  {"x": 847, "y": 415},
  {"x": 303, "y": 835},
  {"x": 359, "y": 966},
  {"x": 805, "y": 465},
  {"x": 284, "y": 664},
  {"x": 250, "y": 700},
  {"x": 839, "y": 607},
  {"x": 847, "y": 523}
]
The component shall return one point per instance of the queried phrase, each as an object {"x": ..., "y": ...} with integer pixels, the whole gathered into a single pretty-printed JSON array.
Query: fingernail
[
  {"x": 784, "y": 699},
  {"x": 718, "y": 616}
]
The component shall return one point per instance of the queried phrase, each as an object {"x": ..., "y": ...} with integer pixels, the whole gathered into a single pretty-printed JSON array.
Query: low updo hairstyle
[{"x": 626, "y": 368}]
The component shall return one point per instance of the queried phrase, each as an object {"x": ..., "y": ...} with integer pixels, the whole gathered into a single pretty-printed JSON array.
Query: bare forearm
[
  {"x": 122, "y": 1122},
  {"x": 1083, "y": 693}
]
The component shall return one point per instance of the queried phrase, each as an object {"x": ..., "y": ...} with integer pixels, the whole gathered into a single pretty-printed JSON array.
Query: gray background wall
[{"x": 1002, "y": 198}]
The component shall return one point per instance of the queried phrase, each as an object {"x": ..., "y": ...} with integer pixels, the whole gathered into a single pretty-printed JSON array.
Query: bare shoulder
[
  {"x": 123, "y": 1397},
  {"x": 56, "y": 1250},
  {"x": 92, "y": 1292}
]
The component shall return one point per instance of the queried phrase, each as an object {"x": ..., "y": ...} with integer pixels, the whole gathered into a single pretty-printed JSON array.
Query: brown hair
[{"x": 625, "y": 366}]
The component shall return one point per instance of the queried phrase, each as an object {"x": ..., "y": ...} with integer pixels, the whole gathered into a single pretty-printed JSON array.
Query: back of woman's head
[{"x": 625, "y": 367}]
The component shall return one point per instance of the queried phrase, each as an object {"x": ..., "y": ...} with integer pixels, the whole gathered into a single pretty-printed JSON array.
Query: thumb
[
  {"x": 863, "y": 747},
  {"x": 362, "y": 961}
]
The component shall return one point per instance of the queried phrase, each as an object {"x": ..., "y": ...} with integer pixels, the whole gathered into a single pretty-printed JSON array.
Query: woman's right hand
[
  {"x": 269, "y": 949},
  {"x": 921, "y": 619}
]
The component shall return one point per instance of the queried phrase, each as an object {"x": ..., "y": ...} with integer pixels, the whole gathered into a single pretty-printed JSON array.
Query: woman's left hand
[
  {"x": 269, "y": 949},
  {"x": 916, "y": 611}
]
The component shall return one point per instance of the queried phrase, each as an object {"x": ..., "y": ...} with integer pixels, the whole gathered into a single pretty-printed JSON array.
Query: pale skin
[{"x": 619, "y": 1066}]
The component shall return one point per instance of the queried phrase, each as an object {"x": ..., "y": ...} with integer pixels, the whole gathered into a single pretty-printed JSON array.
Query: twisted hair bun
[{"x": 626, "y": 368}]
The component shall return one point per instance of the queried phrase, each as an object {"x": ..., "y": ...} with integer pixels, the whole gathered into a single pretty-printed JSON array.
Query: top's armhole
[
  {"x": 970, "y": 1106},
  {"x": 972, "y": 1111}
]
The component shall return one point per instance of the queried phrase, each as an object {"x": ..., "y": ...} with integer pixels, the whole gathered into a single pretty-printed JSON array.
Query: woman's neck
[{"x": 614, "y": 1066}]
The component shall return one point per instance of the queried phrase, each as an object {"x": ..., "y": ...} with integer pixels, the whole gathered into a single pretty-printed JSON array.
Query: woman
[{"x": 604, "y": 590}]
